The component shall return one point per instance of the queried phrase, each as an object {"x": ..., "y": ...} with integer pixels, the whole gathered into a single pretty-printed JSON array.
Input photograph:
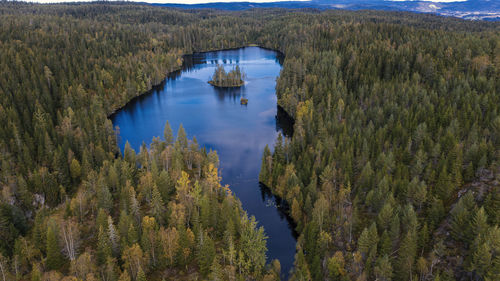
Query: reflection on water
[
  {"x": 281, "y": 205},
  {"x": 284, "y": 122},
  {"x": 238, "y": 132},
  {"x": 232, "y": 94}
]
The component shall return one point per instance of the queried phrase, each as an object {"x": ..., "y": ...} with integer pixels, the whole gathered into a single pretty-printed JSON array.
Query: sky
[
  {"x": 210, "y": 1},
  {"x": 167, "y": 1}
]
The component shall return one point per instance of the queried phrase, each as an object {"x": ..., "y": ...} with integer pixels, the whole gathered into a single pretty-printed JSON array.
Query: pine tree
[
  {"x": 129, "y": 154},
  {"x": 168, "y": 134},
  {"x": 481, "y": 260},
  {"x": 265, "y": 167},
  {"x": 113, "y": 237},
  {"x": 157, "y": 207},
  {"x": 169, "y": 242},
  {"x": 4, "y": 268},
  {"x": 149, "y": 239},
  {"x": 444, "y": 185},
  {"x": 54, "y": 257},
  {"x": 383, "y": 269},
  {"x": 461, "y": 218},
  {"x": 104, "y": 249},
  {"x": 494, "y": 273},
  {"x": 436, "y": 211},
  {"x": 364, "y": 242},
  {"x": 406, "y": 256},
  {"x": 385, "y": 244},
  {"x": 102, "y": 220},
  {"x": 480, "y": 222},
  {"x": 336, "y": 266},
  {"x": 373, "y": 234},
  {"x": 422, "y": 267},
  {"x": 104, "y": 198},
  {"x": 133, "y": 259},
  {"x": 417, "y": 192},
  {"x": 216, "y": 273},
  {"x": 296, "y": 211},
  {"x": 124, "y": 276},
  {"x": 253, "y": 243},
  {"x": 395, "y": 229},
  {"x": 301, "y": 268},
  {"x": 75, "y": 169},
  {"x": 423, "y": 238},
  {"x": 110, "y": 271},
  {"x": 492, "y": 205},
  {"x": 385, "y": 215},
  {"x": 206, "y": 253},
  {"x": 181, "y": 139},
  {"x": 134, "y": 208},
  {"x": 140, "y": 275},
  {"x": 36, "y": 275}
]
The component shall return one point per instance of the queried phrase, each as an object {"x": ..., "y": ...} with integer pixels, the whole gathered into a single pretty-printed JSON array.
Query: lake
[{"x": 237, "y": 132}]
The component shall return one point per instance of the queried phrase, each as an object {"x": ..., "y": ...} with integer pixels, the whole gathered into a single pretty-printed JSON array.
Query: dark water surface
[{"x": 239, "y": 133}]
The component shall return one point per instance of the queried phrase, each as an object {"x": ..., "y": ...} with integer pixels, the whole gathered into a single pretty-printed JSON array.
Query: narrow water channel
[{"x": 237, "y": 132}]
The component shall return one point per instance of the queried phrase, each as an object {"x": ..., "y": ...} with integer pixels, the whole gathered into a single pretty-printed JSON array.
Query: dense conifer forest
[
  {"x": 392, "y": 172},
  {"x": 233, "y": 78}
]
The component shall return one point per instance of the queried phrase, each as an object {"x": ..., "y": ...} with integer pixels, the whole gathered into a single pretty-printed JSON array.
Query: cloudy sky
[
  {"x": 209, "y": 1},
  {"x": 166, "y": 1}
]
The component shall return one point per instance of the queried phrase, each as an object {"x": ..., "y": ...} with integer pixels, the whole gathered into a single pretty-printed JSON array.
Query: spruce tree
[
  {"x": 181, "y": 139},
  {"x": 104, "y": 249},
  {"x": 206, "y": 253},
  {"x": 480, "y": 223},
  {"x": 168, "y": 134},
  {"x": 264, "y": 167},
  {"x": 157, "y": 206},
  {"x": 364, "y": 242},
  {"x": 406, "y": 256},
  {"x": 36, "y": 275},
  {"x": 481, "y": 260},
  {"x": 141, "y": 276},
  {"x": 54, "y": 257},
  {"x": 383, "y": 269}
]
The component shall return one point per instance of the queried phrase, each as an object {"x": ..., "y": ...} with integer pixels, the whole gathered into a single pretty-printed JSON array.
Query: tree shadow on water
[{"x": 230, "y": 94}]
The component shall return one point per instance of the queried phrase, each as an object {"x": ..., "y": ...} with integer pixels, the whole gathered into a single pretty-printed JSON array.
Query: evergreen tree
[
  {"x": 54, "y": 259},
  {"x": 141, "y": 276},
  {"x": 383, "y": 269},
  {"x": 364, "y": 242},
  {"x": 481, "y": 260},
  {"x": 265, "y": 167},
  {"x": 104, "y": 249},
  {"x": 36, "y": 275},
  {"x": 479, "y": 223},
  {"x": 406, "y": 256},
  {"x": 336, "y": 266},
  {"x": 157, "y": 206},
  {"x": 206, "y": 253},
  {"x": 168, "y": 134},
  {"x": 181, "y": 139}
]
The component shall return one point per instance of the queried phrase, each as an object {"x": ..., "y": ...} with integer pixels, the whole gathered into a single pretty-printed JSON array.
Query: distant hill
[{"x": 469, "y": 9}]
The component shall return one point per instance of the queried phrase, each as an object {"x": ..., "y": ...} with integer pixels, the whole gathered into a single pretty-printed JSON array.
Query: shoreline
[
  {"x": 241, "y": 84},
  {"x": 281, "y": 205},
  {"x": 164, "y": 80}
]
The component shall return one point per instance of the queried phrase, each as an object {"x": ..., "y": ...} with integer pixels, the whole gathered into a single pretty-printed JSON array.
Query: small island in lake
[{"x": 233, "y": 78}]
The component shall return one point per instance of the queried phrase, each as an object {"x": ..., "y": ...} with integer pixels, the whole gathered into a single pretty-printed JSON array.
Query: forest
[{"x": 392, "y": 172}]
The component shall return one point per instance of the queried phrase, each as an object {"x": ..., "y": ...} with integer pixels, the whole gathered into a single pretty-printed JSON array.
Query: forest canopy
[{"x": 391, "y": 174}]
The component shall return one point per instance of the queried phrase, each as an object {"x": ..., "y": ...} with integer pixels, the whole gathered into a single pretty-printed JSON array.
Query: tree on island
[{"x": 221, "y": 78}]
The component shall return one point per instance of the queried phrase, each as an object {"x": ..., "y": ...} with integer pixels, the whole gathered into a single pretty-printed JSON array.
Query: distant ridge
[{"x": 470, "y": 9}]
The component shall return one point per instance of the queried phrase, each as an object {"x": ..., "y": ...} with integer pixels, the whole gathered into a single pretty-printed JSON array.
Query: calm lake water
[{"x": 237, "y": 132}]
